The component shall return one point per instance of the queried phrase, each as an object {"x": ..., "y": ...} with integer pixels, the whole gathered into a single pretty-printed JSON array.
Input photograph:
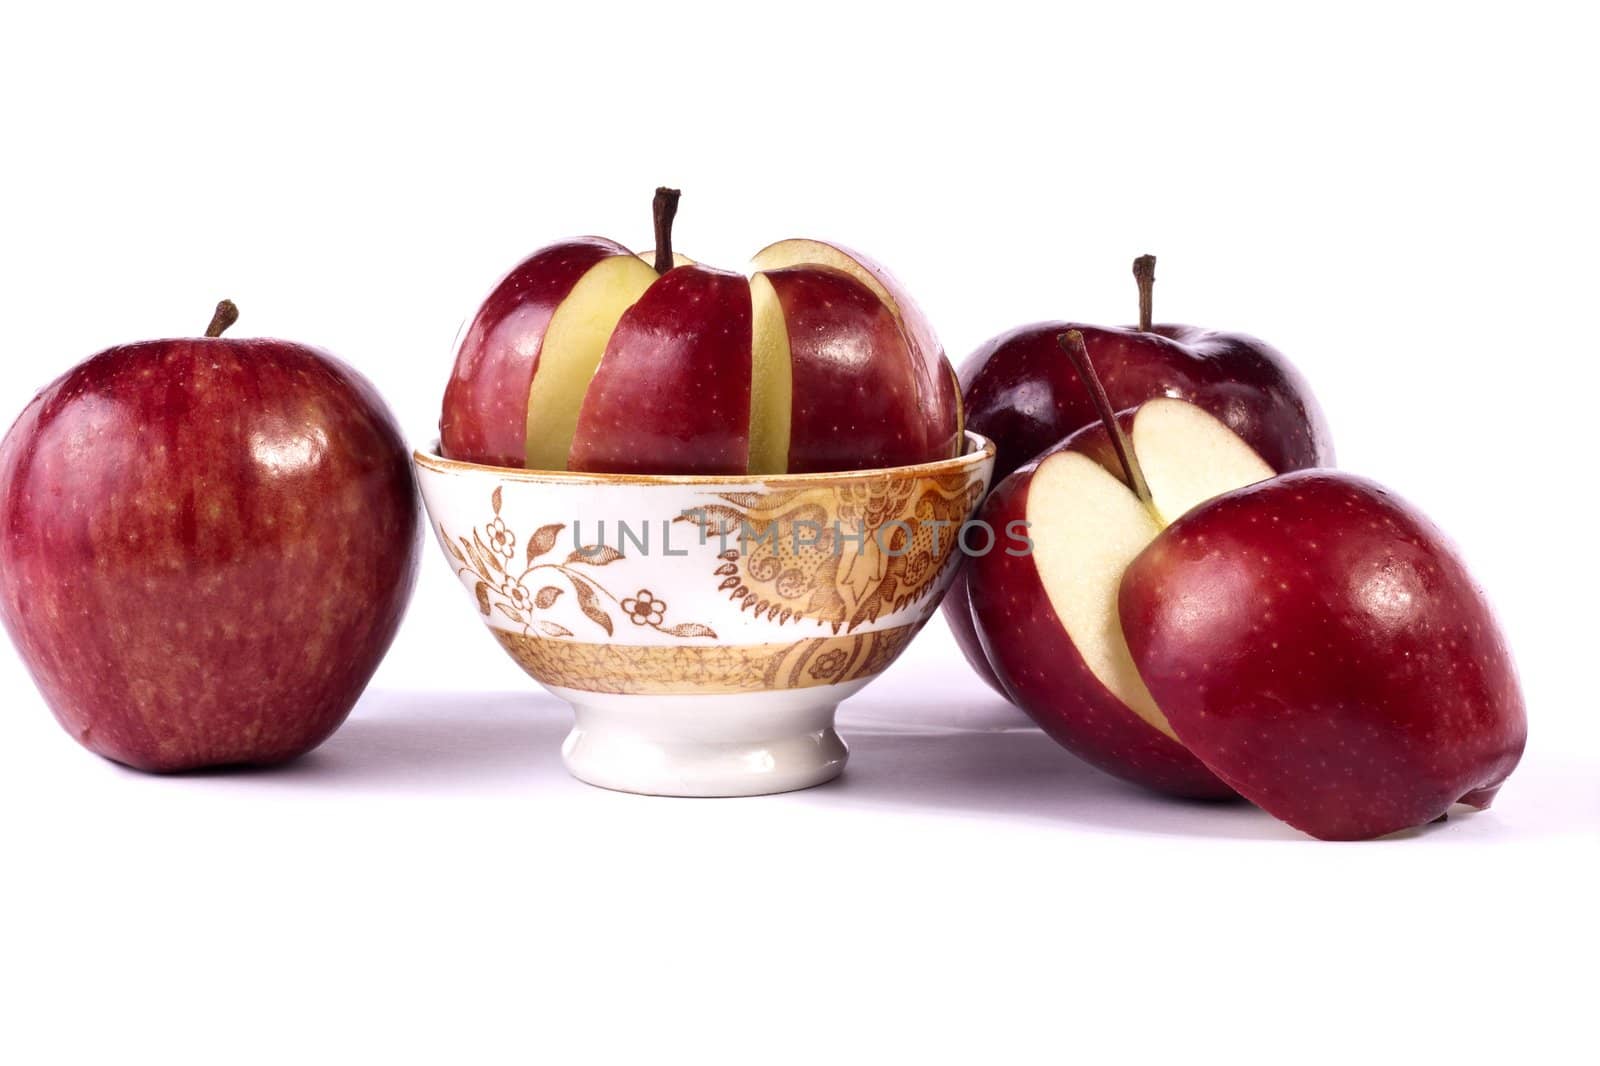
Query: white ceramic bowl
[{"x": 705, "y": 648}]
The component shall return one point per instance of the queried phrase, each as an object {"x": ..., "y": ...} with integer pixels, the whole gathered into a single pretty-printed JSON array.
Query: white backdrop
[{"x": 1400, "y": 197}]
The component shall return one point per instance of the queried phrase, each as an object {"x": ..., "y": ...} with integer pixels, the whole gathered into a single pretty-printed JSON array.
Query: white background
[{"x": 1401, "y": 197}]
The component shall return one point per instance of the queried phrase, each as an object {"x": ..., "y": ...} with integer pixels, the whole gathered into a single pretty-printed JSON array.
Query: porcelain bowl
[{"x": 704, "y": 629}]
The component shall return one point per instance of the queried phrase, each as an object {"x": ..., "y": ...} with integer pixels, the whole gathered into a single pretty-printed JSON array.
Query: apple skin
[
  {"x": 672, "y": 392},
  {"x": 1318, "y": 643},
  {"x": 485, "y": 413},
  {"x": 1021, "y": 392},
  {"x": 1040, "y": 669},
  {"x": 855, "y": 393},
  {"x": 206, "y": 547}
]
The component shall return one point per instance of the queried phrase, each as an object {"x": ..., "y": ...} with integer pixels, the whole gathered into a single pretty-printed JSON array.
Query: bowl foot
[{"x": 745, "y": 744}]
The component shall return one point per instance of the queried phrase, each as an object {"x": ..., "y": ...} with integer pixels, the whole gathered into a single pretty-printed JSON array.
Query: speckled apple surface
[
  {"x": 1321, "y": 647},
  {"x": 206, "y": 547}
]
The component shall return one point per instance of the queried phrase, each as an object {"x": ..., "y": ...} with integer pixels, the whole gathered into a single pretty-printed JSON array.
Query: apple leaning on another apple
[
  {"x": 1021, "y": 393},
  {"x": 1199, "y": 626},
  {"x": 206, "y": 547},
  {"x": 587, "y": 357},
  {"x": 1319, "y": 645}
]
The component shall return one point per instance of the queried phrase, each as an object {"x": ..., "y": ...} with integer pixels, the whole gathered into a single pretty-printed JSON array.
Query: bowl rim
[{"x": 979, "y": 448}]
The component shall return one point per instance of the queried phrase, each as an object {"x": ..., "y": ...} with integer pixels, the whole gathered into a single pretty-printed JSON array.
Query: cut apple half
[{"x": 1087, "y": 526}]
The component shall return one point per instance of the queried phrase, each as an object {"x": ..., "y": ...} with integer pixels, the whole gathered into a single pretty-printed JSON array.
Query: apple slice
[
  {"x": 771, "y": 381},
  {"x": 672, "y": 391},
  {"x": 938, "y": 390},
  {"x": 1048, "y": 621},
  {"x": 485, "y": 415},
  {"x": 573, "y": 344},
  {"x": 852, "y": 378}
]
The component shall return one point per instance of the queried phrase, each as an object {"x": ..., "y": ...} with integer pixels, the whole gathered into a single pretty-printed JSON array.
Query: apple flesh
[
  {"x": 1048, "y": 621},
  {"x": 1318, "y": 644},
  {"x": 206, "y": 547},
  {"x": 585, "y": 358}
]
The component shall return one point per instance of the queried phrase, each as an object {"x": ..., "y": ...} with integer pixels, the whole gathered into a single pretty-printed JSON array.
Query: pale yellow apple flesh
[
  {"x": 1087, "y": 526},
  {"x": 801, "y": 252},
  {"x": 678, "y": 258},
  {"x": 573, "y": 344},
  {"x": 771, "y": 381}
]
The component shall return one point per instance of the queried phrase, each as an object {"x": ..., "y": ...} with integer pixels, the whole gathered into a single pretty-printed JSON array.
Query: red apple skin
[
  {"x": 1041, "y": 671},
  {"x": 206, "y": 547},
  {"x": 1021, "y": 392},
  {"x": 485, "y": 415},
  {"x": 672, "y": 392},
  {"x": 938, "y": 389},
  {"x": 1318, "y": 643},
  {"x": 854, "y": 378}
]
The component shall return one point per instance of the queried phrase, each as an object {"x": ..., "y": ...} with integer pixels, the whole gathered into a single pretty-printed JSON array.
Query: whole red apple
[
  {"x": 1020, "y": 392},
  {"x": 206, "y": 547},
  {"x": 588, "y": 357},
  {"x": 1319, "y": 645}
]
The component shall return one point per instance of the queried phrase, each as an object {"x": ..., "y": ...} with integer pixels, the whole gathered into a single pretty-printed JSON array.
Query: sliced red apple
[
  {"x": 1048, "y": 621},
  {"x": 938, "y": 390},
  {"x": 576, "y": 338},
  {"x": 853, "y": 380},
  {"x": 485, "y": 415},
  {"x": 672, "y": 391}
]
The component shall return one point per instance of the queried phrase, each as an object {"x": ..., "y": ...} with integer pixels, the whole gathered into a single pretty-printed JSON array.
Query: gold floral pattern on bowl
[
  {"x": 489, "y": 559},
  {"x": 842, "y": 552}
]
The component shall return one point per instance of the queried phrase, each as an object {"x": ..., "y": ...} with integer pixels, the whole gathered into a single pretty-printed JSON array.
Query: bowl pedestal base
[{"x": 736, "y": 744}]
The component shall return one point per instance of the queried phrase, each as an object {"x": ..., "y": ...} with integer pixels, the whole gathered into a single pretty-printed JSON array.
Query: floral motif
[
  {"x": 500, "y": 538},
  {"x": 515, "y": 591},
  {"x": 486, "y": 563},
  {"x": 828, "y": 663},
  {"x": 644, "y": 609}
]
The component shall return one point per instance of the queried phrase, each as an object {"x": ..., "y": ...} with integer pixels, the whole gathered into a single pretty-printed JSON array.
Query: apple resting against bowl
[{"x": 700, "y": 507}]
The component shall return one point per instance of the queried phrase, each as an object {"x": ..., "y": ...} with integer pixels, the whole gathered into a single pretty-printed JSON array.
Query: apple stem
[
  {"x": 1144, "y": 272},
  {"x": 226, "y": 314},
  {"x": 1072, "y": 343},
  {"x": 666, "y": 209}
]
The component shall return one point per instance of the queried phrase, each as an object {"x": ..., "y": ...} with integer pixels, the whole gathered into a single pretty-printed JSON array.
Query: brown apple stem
[
  {"x": 227, "y": 314},
  {"x": 1072, "y": 343},
  {"x": 1144, "y": 272},
  {"x": 666, "y": 209}
]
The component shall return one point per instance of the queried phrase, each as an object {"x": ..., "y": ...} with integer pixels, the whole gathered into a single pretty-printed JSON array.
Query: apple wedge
[
  {"x": 672, "y": 390},
  {"x": 938, "y": 390},
  {"x": 485, "y": 415},
  {"x": 1048, "y": 620}
]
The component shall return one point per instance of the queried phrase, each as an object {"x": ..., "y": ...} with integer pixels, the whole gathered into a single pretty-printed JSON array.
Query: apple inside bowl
[{"x": 704, "y": 628}]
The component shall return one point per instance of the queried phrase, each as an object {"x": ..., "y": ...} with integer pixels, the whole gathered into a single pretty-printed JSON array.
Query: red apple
[
  {"x": 1021, "y": 393},
  {"x": 206, "y": 546},
  {"x": 587, "y": 357},
  {"x": 1319, "y": 645},
  {"x": 1046, "y": 619},
  {"x": 1200, "y": 625}
]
